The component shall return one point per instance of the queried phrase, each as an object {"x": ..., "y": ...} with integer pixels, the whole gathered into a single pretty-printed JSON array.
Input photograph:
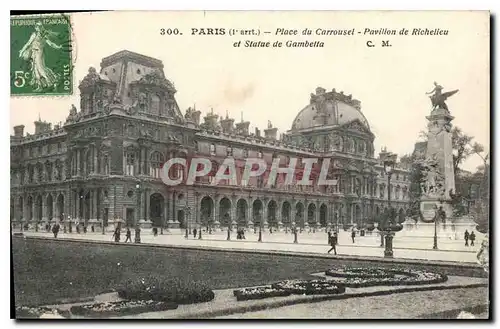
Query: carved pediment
[
  {"x": 357, "y": 126},
  {"x": 156, "y": 78}
]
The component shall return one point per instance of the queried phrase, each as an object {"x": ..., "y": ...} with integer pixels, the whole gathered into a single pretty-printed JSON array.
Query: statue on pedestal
[{"x": 438, "y": 98}]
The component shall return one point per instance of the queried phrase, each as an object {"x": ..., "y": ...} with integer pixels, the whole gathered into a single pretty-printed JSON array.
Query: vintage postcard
[{"x": 250, "y": 165}]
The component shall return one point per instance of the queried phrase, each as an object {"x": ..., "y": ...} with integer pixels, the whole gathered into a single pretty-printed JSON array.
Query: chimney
[
  {"x": 243, "y": 127},
  {"x": 227, "y": 124},
  {"x": 196, "y": 117},
  {"x": 42, "y": 126},
  {"x": 19, "y": 131},
  {"x": 271, "y": 133}
]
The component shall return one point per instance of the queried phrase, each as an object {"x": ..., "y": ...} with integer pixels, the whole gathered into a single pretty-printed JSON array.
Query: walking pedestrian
[
  {"x": 332, "y": 239},
  {"x": 472, "y": 238},
  {"x": 466, "y": 238},
  {"x": 137, "y": 237},
  {"x": 92, "y": 229},
  {"x": 55, "y": 230},
  {"x": 128, "y": 235},
  {"x": 194, "y": 232},
  {"x": 353, "y": 235},
  {"x": 116, "y": 234}
]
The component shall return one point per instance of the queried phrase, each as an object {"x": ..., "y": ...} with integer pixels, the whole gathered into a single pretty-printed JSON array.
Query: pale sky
[{"x": 275, "y": 83}]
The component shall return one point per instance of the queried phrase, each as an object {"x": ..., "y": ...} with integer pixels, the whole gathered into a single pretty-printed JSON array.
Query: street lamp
[
  {"x": 437, "y": 216},
  {"x": 387, "y": 227},
  {"x": 137, "y": 216},
  {"x": 188, "y": 213}
]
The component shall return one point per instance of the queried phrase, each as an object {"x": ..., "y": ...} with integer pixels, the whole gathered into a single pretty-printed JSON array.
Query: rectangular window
[
  {"x": 212, "y": 149},
  {"x": 130, "y": 163}
]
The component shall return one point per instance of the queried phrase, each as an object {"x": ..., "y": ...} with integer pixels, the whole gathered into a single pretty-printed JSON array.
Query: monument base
[{"x": 428, "y": 209}]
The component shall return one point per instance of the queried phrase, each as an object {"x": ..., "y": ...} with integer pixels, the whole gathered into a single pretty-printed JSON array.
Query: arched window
[
  {"x": 229, "y": 151},
  {"x": 156, "y": 164},
  {"x": 155, "y": 105},
  {"x": 129, "y": 163},
  {"x": 212, "y": 149}
]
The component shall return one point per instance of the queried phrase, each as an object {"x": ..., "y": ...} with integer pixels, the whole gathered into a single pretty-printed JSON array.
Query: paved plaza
[{"x": 405, "y": 247}]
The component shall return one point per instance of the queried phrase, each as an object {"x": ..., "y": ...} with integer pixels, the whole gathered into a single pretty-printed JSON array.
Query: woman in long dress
[{"x": 33, "y": 51}]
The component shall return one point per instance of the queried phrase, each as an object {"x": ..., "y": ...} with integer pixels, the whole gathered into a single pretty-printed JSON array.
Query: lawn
[{"x": 46, "y": 271}]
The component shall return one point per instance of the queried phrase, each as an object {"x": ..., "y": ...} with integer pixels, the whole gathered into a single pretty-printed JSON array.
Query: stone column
[
  {"x": 78, "y": 162},
  {"x": 278, "y": 215},
  {"x": 146, "y": 166},
  {"x": 44, "y": 208},
  {"x": 250, "y": 213},
  {"x": 147, "y": 204},
  {"x": 55, "y": 210},
  {"x": 234, "y": 223},
  {"x": 78, "y": 204},
  {"x": 25, "y": 210},
  {"x": 34, "y": 215},
  {"x": 216, "y": 212},
  {"x": 173, "y": 208},
  {"x": 197, "y": 209},
  {"x": 140, "y": 155},
  {"x": 329, "y": 219},
  {"x": 264, "y": 214},
  {"x": 305, "y": 215},
  {"x": 318, "y": 215}
]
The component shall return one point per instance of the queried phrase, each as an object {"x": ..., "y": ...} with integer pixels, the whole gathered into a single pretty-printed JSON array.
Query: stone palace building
[{"x": 102, "y": 166}]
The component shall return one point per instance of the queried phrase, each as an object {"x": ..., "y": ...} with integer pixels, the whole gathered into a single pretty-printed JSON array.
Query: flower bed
[
  {"x": 370, "y": 277},
  {"x": 259, "y": 293},
  {"x": 359, "y": 272},
  {"x": 26, "y": 312},
  {"x": 122, "y": 308},
  {"x": 165, "y": 290},
  {"x": 310, "y": 287}
]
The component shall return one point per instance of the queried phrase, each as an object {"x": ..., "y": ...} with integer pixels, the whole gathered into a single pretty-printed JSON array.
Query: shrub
[{"x": 165, "y": 290}]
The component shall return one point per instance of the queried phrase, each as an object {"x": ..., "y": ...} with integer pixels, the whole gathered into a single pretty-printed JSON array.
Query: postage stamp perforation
[{"x": 42, "y": 59}]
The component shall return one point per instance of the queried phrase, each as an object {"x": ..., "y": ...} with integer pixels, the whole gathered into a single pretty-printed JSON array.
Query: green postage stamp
[{"x": 40, "y": 55}]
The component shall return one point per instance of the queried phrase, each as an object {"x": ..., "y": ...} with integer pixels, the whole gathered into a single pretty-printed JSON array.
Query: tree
[{"x": 415, "y": 191}]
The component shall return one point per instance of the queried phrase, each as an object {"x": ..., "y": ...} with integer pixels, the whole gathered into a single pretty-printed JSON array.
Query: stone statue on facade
[
  {"x": 438, "y": 98},
  {"x": 269, "y": 124}
]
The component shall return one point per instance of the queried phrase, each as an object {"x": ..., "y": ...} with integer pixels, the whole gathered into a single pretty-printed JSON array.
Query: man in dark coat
[
  {"x": 194, "y": 232},
  {"x": 55, "y": 230},
  {"x": 466, "y": 238},
  {"x": 332, "y": 239},
  {"x": 353, "y": 235},
  {"x": 472, "y": 238},
  {"x": 116, "y": 234},
  {"x": 128, "y": 235}
]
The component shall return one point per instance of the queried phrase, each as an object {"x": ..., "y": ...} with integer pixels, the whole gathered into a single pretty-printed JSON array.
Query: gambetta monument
[{"x": 437, "y": 167}]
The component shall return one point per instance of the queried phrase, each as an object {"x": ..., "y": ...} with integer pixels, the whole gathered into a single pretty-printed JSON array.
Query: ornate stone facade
[{"x": 103, "y": 165}]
